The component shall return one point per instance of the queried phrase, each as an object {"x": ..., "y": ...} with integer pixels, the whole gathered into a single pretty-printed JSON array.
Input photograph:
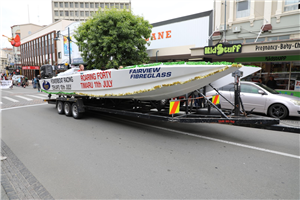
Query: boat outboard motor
[{"x": 46, "y": 71}]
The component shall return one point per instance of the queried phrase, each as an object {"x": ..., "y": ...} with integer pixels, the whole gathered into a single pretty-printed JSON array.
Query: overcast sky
[{"x": 14, "y": 12}]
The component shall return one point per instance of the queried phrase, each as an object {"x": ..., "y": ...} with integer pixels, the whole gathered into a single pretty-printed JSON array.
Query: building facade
[
  {"x": 172, "y": 39},
  {"x": 265, "y": 33},
  {"x": 81, "y": 10},
  {"x": 6, "y": 60},
  {"x": 40, "y": 48}
]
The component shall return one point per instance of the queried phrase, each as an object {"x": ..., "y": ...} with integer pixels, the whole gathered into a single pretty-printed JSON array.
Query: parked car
[
  {"x": 262, "y": 98},
  {"x": 15, "y": 78}
]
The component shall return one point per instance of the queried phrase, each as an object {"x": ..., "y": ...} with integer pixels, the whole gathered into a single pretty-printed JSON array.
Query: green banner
[{"x": 268, "y": 59}]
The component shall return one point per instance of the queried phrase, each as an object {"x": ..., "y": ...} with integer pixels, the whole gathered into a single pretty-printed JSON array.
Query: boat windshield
[{"x": 267, "y": 88}]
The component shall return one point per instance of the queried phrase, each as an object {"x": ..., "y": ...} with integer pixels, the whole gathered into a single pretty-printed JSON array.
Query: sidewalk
[{"x": 17, "y": 182}]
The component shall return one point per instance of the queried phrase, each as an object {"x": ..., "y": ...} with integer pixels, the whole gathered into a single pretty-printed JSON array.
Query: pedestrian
[
  {"x": 23, "y": 83},
  {"x": 38, "y": 83},
  {"x": 260, "y": 80},
  {"x": 272, "y": 83},
  {"x": 34, "y": 82},
  {"x": 26, "y": 81}
]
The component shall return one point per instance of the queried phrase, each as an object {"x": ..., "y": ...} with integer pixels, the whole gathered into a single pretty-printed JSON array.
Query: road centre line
[
  {"x": 216, "y": 140},
  {"x": 24, "y": 98}
]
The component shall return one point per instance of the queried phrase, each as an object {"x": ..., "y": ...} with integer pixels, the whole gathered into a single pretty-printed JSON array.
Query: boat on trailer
[{"x": 154, "y": 81}]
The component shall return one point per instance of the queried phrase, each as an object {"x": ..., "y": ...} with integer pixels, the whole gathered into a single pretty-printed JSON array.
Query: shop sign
[
  {"x": 276, "y": 47},
  {"x": 221, "y": 49},
  {"x": 31, "y": 67}
]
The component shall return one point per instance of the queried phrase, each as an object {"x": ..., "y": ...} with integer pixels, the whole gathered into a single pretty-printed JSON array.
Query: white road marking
[
  {"x": 24, "y": 98},
  {"x": 10, "y": 99},
  {"x": 6, "y": 91},
  {"x": 217, "y": 140},
  {"x": 39, "y": 97},
  {"x": 22, "y": 107}
]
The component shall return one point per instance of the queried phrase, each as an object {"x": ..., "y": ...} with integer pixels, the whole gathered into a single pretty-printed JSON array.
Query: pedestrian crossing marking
[
  {"x": 28, "y": 99},
  {"x": 39, "y": 97},
  {"x": 10, "y": 99}
]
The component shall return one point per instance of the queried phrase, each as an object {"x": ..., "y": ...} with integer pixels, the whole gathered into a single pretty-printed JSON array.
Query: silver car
[{"x": 262, "y": 98}]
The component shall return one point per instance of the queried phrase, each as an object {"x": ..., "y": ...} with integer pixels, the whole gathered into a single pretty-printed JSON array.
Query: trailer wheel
[
  {"x": 75, "y": 111},
  {"x": 60, "y": 107},
  {"x": 67, "y": 109}
]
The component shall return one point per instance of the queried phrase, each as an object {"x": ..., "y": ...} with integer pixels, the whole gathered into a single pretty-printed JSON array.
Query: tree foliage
[{"x": 119, "y": 35}]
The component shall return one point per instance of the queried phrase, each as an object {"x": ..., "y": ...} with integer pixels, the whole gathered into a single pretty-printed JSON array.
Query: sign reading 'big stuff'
[{"x": 221, "y": 49}]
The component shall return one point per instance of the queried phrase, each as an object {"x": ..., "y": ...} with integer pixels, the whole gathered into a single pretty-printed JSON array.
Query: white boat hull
[{"x": 145, "y": 83}]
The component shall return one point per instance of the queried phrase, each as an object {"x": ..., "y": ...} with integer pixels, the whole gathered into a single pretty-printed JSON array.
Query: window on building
[
  {"x": 66, "y": 4},
  {"x": 87, "y": 13},
  {"x": 81, "y": 5},
  {"x": 242, "y": 8},
  {"x": 56, "y": 13},
  {"x": 72, "y": 13},
  {"x": 71, "y": 4},
  {"x": 76, "y": 19},
  {"x": 56, "y": 20},
  {"x": 96, "y": 5},
  {"x": 260, "y": 39},
  {"x": 61, "y": 4},
  {"x": 112, "y": 5},
  {"x": 61, "y": 13},
  {"x": 122, "y": 6},
  {"x": 290, "y": 5},
  {"x": 92, "y": 13},
  {"x": 102, "y": 5},
  {"x": 82, "y": 13},
  {"x": 91, "y": 5},
  {"x": 237, "y": 41},
  {"x": 76, "y": 13},
  {"x": 284, "y": 37},
  {"x": 76, "y": 5},
  {"x": 59, "y": 55},
  {"x": 67, "y": 13},
  {"x": 272, "y": 38},
  {"x": 56, "y": 4},
  {"x": 250, "y": 40},
  {"x": 86, "y": 5},
  {"x": 107, "y": 5},
  {"x": 117, "y": 6},
  {"x": 127, "y": 6}
]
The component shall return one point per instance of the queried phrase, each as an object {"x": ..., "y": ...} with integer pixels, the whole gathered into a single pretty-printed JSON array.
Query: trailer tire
[
  {"x": 60, "y": 107},
  {"x": 75, "y": 112},
  {"x": 67, "y": 109}
]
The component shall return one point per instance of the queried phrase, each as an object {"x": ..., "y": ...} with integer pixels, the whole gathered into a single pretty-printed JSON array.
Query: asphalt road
[{"x": 106, "y": 156}]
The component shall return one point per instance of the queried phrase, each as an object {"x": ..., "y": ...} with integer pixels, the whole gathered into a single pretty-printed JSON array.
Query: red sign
[{"x": 31, "y": 67}]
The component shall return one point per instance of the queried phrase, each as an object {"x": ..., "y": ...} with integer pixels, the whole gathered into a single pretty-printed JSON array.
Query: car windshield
[{"x": 267, "y": 88}]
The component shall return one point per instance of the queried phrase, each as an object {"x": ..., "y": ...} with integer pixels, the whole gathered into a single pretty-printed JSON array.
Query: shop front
[
  {"x": 280, "y": 60},
  {"x": 31, "y": 71}
]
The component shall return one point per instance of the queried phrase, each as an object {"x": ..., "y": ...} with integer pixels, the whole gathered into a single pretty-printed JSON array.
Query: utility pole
[{"x": 224, "y": 40}]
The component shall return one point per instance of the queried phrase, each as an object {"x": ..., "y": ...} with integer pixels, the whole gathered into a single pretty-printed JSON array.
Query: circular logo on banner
[{"x": 46, "y": 85}]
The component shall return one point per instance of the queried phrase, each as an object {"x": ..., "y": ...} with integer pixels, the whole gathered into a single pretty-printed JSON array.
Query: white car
[{"x": 262, "y": 98}]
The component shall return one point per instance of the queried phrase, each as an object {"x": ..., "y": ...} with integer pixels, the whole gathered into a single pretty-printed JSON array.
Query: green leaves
[{"x": 117, "y": 34}]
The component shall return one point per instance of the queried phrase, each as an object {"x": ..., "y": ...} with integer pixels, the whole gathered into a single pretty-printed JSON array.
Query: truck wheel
[
  {"x": 60, "y": 107},
  {"x": 75, "y": 111},
  {"x": 67, "y": 109}
]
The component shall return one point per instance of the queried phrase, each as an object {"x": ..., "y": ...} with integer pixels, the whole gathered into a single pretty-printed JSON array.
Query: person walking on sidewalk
[{"x": 38, "y": 83}]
